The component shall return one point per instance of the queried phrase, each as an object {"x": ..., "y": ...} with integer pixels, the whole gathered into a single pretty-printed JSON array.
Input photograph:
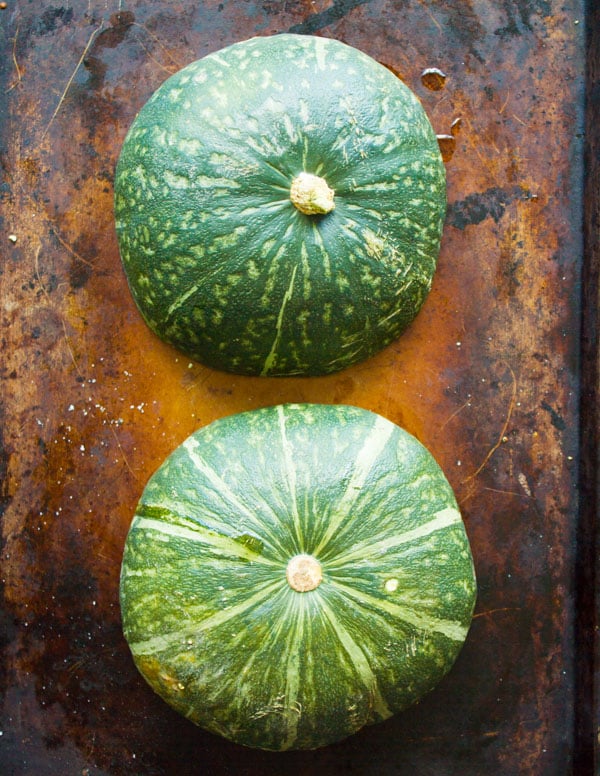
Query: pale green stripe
[
  {"x": 217, "y": 58},
  {"x": 325, "y": 260},
  {"x": 221, "y": 487},
  {"x": 198, "y": 533},
  {"x": 381, "y": 186},
  {"x": 321, "y": 53},
  {"x": 289, "y": 630},
  {"x": 127, "y": 572},
  {"x": 452, "y": 629},
  {"x": 359, "y": 661},
  {"x": 182, "y": 300},
  {"x": 293, "y": 708},
  {"x": 372, "y": 448},
  {"x": 214, "y": 522},
  {"x": 346, "y": 358},
  {"x": 290, "y": 474},
  {"x": 442, "y": 519},
  {"x": 208, "y": 182},
  {"x": 163, "y": 642},
  {"x": 269, "y": 361}
]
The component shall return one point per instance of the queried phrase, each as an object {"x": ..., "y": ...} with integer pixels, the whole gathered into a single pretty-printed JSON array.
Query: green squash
[
  {"x": 279, "y": 207},
  {"x": 294, "y": 573}
]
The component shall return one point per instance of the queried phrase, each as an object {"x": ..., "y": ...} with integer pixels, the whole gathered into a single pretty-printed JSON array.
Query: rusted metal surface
[{"x": 488, "y": 377}]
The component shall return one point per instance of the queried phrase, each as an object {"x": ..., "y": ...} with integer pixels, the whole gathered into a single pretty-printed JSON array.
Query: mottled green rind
[
  {"x": 220, "y": 262},
  {"x": 214, "y": 626}
]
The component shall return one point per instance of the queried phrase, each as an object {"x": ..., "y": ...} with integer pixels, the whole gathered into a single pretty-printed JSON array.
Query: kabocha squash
[
  {"x": 294, "y": 573},
  {"x": 279, "y": 206}
]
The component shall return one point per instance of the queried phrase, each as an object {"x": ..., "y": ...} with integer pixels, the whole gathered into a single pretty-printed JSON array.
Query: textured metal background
[{"x": 488, "y": 377}]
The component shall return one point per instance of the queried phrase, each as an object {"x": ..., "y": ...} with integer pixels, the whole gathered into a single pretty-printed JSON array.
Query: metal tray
[{"x": 497, "y": 376}]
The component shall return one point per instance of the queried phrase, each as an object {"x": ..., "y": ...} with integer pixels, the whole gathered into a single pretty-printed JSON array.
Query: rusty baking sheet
[{"x": 489, "y": 377}]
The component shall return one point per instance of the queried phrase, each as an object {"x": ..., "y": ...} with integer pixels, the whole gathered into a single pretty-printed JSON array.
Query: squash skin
[
  {"x": 212, "y": 623},
  {"x": 222, "y": 265}
]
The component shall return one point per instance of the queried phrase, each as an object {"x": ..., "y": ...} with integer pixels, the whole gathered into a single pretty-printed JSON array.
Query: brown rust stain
[{"x": 486, "y": 377}]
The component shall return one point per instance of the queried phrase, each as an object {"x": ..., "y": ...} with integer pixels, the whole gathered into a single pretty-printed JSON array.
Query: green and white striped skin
[
  {"x": 223, "y": 630},
  {"x": 220, "y": 261}
]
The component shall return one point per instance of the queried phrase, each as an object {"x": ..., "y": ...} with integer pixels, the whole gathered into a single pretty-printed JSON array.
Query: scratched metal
[{"x": 487, "y": 377}]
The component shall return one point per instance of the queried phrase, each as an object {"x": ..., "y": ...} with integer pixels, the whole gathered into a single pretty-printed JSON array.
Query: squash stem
[
  {"x": 311, "y": 194},
  {"x": 304, "y": 573}
]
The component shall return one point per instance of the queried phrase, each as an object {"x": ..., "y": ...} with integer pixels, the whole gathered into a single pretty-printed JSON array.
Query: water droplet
[
  {"x": 433, "y": 78},
  {"x": 455, "y": 127}
]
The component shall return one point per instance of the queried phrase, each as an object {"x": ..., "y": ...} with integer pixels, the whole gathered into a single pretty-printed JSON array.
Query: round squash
[
  {"x": 279, "y": 207},
  {"x": 294, "y": 573}
]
